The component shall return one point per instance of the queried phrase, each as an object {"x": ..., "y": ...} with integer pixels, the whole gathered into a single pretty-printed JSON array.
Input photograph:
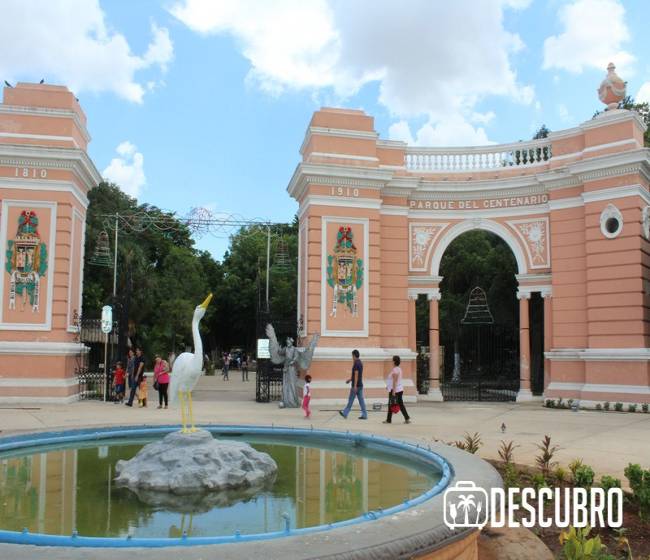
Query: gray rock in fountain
[{"x": 195, "y": 472}]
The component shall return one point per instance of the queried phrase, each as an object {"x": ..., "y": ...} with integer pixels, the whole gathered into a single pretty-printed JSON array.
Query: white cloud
[
  {"x": 594, "y": 32},
  {"x": 127, "y": 170},
  {"x": 453, "y": 130},
  {"x": 643, "y": 95},
  {"x": 70, "y": 42},
  {"x": 430, "y": 58},
  {"x": 563, "y": 112}
]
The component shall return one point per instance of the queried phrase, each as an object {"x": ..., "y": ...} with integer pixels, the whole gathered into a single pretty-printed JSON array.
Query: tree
[{"x": 542, "y": 132}]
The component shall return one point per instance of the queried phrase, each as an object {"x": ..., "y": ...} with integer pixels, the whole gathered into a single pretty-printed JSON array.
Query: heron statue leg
[
  {"x": 182, "y": 403},
  {"x": 192, "y": 426}
]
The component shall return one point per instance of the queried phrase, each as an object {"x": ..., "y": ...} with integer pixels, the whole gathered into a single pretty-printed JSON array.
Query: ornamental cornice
[
  {"x": 612, "y": 165},
  {"x": 52, "y": 158},
  {"x": 338, "y": 176},
  {"x": 477, "y": 195}
]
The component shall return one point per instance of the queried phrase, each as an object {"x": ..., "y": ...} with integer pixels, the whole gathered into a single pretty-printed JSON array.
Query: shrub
[
  {"x": 606, "y": 405},
  {"x": 639, "y": 480},
  {"x": 549, "y": 403},
  {"x": 511, "y": 476},
  {"x": 607, "y": 483},
  {"x": 574, "y": 466},
  {"x": 577, "y": 546},
  {"x": 538, "y": 480},
  {"x": 506, "y": 451},
  {"x": 618, "y": 407},
  {"x": 545, "y": 459},
  {"x": 560, "y": 475},
  {"x": 470, "y": 443},
  {"x": 569, "y": 403},
  {"x": 599, "y": 406},
  {"x": 644, "y": 407},
  {"x": 584, "y": 476},
  {"x": 560, "y": 403},
  {"x": 631, "y": 408}
]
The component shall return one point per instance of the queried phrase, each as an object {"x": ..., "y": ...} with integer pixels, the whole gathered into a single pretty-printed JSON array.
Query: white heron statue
[{"x": 187, "y": 369}]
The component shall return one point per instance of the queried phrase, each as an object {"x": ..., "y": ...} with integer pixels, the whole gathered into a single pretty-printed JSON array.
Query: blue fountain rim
[{"x": 424, "y": 455}]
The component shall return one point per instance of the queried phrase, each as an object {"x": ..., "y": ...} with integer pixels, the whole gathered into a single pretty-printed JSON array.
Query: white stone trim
[
  {"x": 303, "y": 275},
  {"x": 608, "y": 145},
  {"x": 335, "y": 155},
  {"x": 45, "y": 185},
  {"x": 41, "y": 400},
  {"x": 545, "y": 290},
  {"x": 366, "y": 354},
  {"x": 513, "y": 225},
  {"x": 42, "y": 348},
  {"x": 38, "y": 382},
  {"x": 441, "y": 225},
  {"x": 431, "y": 293},
  {"x": 337, "y": 133},
  {"x": 611, "y": 212},
  {"x": 564, "y": 203},
  {"x": 616, "y": 192},
  {"x": 76, "y": 215},
  {"x": 50, "y": 157},
  {"x": 393, "y": 210},
  {"x": 483, "y": 213},
  {"x": 484, "y": 224},
  {"x": 338, "y": 202},
  {"x": 39, "y": 137},
  {"x": 598, "y": 388},
  {"x": 47, "y": 112},
  {"x": 599, "y": 354},
  {"x": 325, "y": 305},
  {"x": 425, "y": 280},
  {"x": 4, "y": 230}
]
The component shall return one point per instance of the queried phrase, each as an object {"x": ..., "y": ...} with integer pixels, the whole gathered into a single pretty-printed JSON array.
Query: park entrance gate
[{"x": 481, "y": 357}]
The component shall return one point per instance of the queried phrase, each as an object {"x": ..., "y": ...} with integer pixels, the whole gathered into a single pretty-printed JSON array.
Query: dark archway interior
[{"x": 486, "y": 350}]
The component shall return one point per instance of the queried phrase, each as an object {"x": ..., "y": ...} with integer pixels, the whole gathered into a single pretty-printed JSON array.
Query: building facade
[
  {"x": 376, "y": 217},
  {"x": 45, "y": 176}
]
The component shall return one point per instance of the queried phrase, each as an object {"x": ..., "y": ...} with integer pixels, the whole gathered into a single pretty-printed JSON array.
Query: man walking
[
  {"x": 138, "y": 374},
  {"x": 356, "y": 388}
]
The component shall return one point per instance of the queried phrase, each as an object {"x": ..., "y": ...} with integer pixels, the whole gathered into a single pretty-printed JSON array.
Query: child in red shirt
[{"x": 119, "y": 377}]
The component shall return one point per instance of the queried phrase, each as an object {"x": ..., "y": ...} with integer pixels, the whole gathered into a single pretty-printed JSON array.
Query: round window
[
  {"x": 612, "y": 225},
  {"x": 611, "y": 221}
]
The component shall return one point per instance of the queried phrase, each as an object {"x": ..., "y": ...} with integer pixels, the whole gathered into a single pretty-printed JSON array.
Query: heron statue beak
[{"x": 205, "y": 304}]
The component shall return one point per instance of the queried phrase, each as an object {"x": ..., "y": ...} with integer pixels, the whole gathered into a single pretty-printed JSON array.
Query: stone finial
[{"x": 612, "y": 88}]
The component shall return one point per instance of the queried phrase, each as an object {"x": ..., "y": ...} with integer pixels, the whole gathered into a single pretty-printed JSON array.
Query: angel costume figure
[{"x": 292, "y": 358}]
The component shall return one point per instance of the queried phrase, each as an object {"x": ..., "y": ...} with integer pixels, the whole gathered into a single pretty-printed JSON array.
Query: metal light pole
[
  {"x": 117, "y": 216},
  {"x": 268, "y": 261}
]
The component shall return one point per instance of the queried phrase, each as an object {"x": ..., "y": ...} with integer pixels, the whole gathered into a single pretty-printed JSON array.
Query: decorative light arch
[{"x": 478, "y": 223}]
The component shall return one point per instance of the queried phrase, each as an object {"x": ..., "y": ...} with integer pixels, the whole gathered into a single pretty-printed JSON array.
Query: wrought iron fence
[{"x": 268, "y": 382}]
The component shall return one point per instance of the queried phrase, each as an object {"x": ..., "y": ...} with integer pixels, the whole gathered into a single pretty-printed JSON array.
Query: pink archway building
[{"x": 377, "y": 215}]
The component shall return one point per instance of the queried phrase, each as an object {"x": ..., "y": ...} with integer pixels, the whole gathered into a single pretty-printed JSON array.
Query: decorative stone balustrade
[{"x": 478, "y": 158}]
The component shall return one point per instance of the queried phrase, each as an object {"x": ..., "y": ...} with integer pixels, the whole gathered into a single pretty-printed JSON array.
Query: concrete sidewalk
[{"x": 607, "y": 441}]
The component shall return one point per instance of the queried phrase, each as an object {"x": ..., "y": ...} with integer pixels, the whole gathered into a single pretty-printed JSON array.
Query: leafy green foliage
[
  {"x": 545, "y": 458},
  {"x": 584, "y": 476},
  {"x": 506, "y": 451},
  {"x": 639, "y": 480},
  {"x": 161, "y": 277},
  {"x": 470, "y": 442},
  {"x": 576, "y": 545}
]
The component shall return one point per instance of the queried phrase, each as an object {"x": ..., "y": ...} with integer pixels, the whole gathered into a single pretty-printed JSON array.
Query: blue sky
[{"x": 205, "y": 103}]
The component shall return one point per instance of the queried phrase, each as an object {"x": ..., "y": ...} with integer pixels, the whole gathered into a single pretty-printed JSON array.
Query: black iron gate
[
  {"x": 94, "y": 382},
  {"x": 481, "y": 358},
  {"x": 268, "y": 381}
]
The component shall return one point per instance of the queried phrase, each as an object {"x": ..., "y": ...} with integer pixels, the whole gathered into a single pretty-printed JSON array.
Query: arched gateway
[{"x": 376, "y": 217}]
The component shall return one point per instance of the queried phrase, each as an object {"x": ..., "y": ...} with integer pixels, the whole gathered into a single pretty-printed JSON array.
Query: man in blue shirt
[{"x": 356, "y": 388}]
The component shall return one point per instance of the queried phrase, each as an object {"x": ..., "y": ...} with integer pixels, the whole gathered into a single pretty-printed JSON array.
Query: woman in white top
[
  {"x": 396, "y": 391},
  {"x": 306, "y": 396}
]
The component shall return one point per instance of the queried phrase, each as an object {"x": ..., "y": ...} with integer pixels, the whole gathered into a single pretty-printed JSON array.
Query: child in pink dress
[{"x": 306, "y": 396}]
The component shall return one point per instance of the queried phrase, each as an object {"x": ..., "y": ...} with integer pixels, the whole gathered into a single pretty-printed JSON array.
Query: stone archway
[{"x": 438, "y": 250}]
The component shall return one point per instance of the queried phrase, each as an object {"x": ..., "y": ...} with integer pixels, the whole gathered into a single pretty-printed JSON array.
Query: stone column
[
  {"x": 434, "y": 346},
  {"x": 412, "y": 328},
  {"x": 524, "y": 347},
  {"x": 548, "y": 333}
]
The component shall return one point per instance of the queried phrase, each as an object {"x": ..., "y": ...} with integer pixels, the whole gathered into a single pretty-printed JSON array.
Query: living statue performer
[
  {"x": 292, "y": 358},
  {"x": 187, "y": 369}
]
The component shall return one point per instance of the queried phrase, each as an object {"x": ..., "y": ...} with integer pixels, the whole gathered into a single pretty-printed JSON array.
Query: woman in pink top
[
  {"x": 161, "y": 377},
  {"x": 396, "y": 391}
]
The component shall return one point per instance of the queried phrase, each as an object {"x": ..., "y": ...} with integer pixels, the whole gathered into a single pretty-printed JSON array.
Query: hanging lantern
[
  {"x": 477, "y": 311},
  {"x": 102, "y": 254},
  {"x": 282, "y": 260}
]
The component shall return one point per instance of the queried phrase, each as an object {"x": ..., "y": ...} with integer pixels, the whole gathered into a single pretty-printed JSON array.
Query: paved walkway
[{"x": 606, "y": 441}]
